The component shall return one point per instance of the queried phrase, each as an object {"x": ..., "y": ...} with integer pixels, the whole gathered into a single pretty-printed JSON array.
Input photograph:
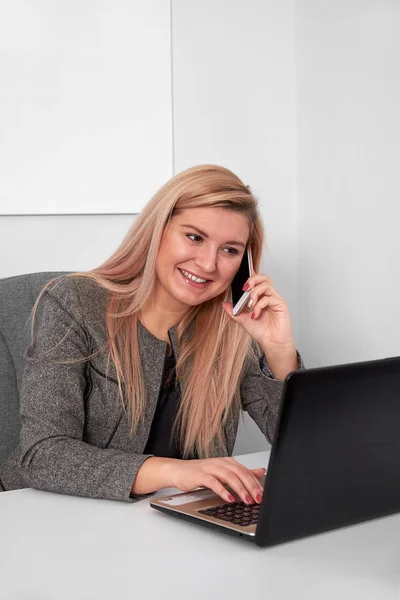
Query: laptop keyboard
[{"x": 238, "y": 513}]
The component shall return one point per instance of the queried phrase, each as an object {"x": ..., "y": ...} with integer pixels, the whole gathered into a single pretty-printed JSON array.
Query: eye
[
  {"x": 232, "y": 251},
  {"x": 194, "y": 235}
]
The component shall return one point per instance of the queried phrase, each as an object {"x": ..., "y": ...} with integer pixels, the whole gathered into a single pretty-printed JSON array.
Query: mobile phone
[{"x": 239, "y": 297}]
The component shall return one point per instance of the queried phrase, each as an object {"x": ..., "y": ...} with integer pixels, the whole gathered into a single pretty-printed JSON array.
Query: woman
[{"x": 138, "y": 371}]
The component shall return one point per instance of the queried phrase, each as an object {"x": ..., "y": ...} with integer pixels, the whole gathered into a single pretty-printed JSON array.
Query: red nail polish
[
  {"x": 259, "y": 498},
  {"x": 249, "y": 500},
  {"x": 232, "y": 498},
  {"x": 252, "y": 315},
  {"x": 246, "y": 287}
]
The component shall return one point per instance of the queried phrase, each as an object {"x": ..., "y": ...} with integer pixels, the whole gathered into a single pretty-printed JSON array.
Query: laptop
[{"x": 335, "y": 459}]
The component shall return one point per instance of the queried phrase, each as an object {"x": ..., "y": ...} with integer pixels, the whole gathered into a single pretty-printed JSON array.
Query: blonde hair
[{"x": 212, "y": 347}]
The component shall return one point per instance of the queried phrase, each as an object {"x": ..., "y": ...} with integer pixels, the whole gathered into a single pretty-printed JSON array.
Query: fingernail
[
  {"x": 250, "y": 303},
  {"x": 246, "y": 287},
  {"x": 252, "y": 315},
  {"x": 259, "y": 498},
  {"x": 249, "y": 500},
  {"x": 231, "y": 498}
]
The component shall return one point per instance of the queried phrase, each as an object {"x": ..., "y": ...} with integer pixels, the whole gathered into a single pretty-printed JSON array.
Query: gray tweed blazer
[{"x": 75, "y": 437}]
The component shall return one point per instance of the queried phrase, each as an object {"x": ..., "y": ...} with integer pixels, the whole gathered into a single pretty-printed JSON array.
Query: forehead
[{"x": 218, "y": 223}]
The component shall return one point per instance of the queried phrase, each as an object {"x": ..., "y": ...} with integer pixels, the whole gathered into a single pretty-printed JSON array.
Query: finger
[
  {"x": 257, "y": 489},
  {"x": 256, "y": 279},
  {"x": 260, "y": 474},
  {"x": 227, "y": 306},
  {"x": 231, "y": 478},
  {"x": 256, "y": 473},
  {"x": 247, "y": 480},
  {"x": 265, "y": 302},
  {"x": 213, "y": 483},
  {"x": 259, "y": 291},
  {"x": 258, "y": 485},
  {"x": 254, "y": 487},
  {"x": 244, "y": 315}
]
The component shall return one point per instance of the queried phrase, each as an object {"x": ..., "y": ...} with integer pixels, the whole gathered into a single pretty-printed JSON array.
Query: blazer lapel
[{"x": 152, "y": 356}]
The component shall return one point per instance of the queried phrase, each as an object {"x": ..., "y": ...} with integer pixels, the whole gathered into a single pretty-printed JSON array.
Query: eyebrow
[{"x": 203, "y": 233}]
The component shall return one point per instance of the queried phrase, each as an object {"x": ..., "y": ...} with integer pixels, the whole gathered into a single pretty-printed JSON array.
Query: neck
[{"x": 159, "y": 319}]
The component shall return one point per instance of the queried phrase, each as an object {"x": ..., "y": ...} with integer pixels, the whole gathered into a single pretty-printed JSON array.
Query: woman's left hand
[{"x": 268, "y": 320}]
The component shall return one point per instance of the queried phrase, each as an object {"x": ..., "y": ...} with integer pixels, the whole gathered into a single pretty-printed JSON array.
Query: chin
[
  {"x": 190, "y": 302},
  {"x": 187, "y": 300}
]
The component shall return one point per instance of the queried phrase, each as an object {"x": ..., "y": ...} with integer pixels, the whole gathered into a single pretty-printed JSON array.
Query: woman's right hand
[{"x": 215, "y": 473}]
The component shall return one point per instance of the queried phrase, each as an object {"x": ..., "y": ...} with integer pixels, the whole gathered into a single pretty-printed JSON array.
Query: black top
[{"x": 160, "y": 442}]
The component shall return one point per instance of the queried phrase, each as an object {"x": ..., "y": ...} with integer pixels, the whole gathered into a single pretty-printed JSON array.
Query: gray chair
[{"x": 17, "y": 297}]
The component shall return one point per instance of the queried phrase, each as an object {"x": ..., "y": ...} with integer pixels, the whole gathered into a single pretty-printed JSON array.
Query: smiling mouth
[{"x": 193, "y": 277}]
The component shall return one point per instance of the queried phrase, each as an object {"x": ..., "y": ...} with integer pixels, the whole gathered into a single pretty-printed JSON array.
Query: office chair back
[{"x": 17, "y": 297}]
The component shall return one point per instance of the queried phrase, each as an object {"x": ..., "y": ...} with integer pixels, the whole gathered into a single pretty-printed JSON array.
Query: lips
[
  {"x": 185, "y": 272},
  {"x": 192, "y": 283}
]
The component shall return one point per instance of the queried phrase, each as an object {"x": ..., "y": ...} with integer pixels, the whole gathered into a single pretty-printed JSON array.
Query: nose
[{"x": 206, "y": 259}]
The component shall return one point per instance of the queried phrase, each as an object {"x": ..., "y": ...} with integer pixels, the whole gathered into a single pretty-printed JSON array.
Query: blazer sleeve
[
  {"x": 53, "y": 455},
  {"x": 261, "y": 392}
]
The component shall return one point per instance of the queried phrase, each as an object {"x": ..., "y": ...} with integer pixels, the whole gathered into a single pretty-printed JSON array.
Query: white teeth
[{"x": 192, "y": 277}]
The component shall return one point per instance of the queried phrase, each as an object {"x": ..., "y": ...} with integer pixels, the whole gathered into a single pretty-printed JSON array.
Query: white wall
[
  {"x": 348, "y": 148},
  {"x": 233, "y": 97},
  {"x": 58, "y": 243},
  {"x": 301, "y": 101}
]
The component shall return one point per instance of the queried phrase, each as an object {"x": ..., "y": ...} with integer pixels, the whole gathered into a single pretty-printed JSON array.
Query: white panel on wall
[{"x": 85, "y": 105}]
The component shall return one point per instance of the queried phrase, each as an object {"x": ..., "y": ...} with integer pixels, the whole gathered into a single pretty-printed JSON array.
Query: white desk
[{"x": 55, "y": 547}]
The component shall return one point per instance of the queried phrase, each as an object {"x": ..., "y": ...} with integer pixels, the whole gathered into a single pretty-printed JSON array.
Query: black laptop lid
[{"x": 335, "y": 460}]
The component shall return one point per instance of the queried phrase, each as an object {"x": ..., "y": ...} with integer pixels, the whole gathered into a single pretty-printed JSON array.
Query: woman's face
[{"x": 204, "y": 243}]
